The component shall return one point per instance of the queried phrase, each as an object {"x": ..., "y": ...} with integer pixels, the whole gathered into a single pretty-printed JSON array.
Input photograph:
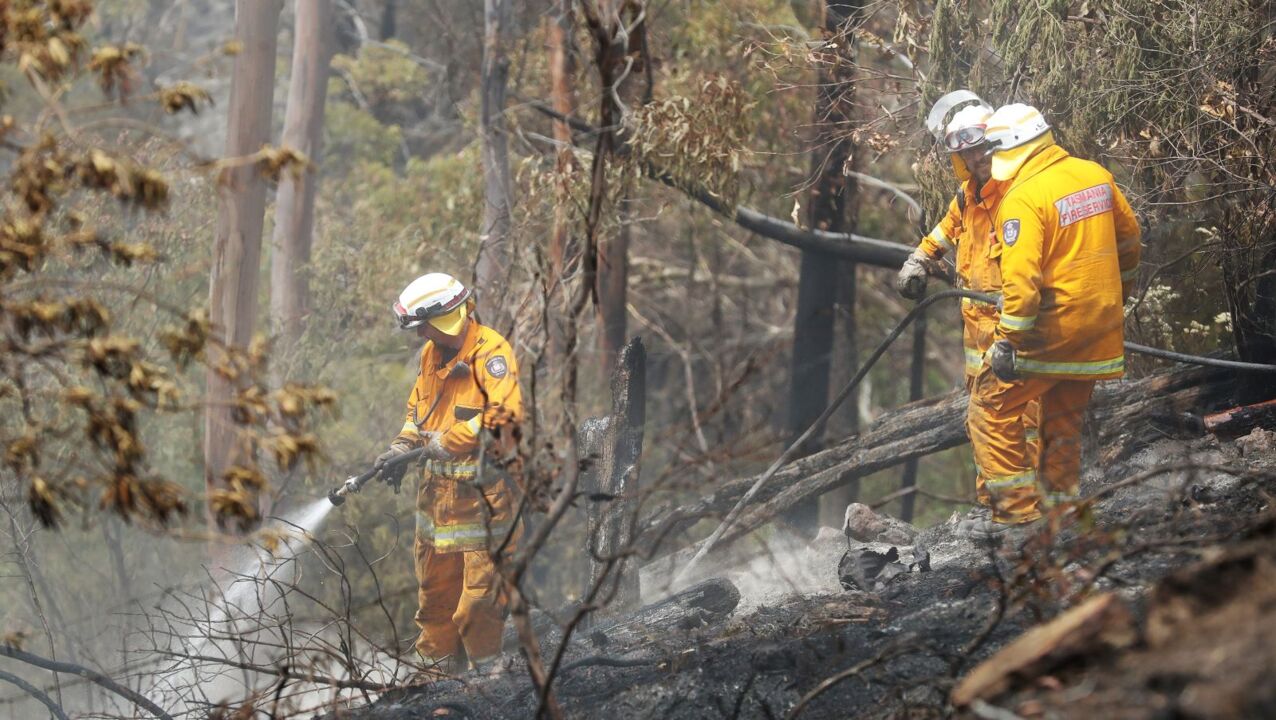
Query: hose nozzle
[{"x": 337, "y": 495}]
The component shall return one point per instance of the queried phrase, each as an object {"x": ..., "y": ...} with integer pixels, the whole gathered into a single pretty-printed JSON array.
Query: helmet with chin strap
[
  {"x": 435, "y": 298},
  {"x": 958, "y": 121}
]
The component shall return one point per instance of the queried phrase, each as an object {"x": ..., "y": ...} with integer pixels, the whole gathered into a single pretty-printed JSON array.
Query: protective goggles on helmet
[
  {"x": 408, "y": 320},
  {"x": 964, "y": 138}
]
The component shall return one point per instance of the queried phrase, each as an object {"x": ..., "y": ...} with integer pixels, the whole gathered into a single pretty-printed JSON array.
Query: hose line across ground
[{"x": 846, "y": 391}]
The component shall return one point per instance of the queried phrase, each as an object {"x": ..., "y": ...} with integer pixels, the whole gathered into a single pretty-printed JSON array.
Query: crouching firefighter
[
  {"x": 1069, "y": 254},
  {"x": 464, "y": 408},
  {"x": 966, "y": 232}
]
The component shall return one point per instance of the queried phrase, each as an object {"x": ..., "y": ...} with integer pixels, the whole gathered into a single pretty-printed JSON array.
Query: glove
[
  {"x": 433, "y": 447},
  {"x": 911, "y": 281},
  {"x": 1001, "y": 358},
  {"x": 393, "y": 475}
]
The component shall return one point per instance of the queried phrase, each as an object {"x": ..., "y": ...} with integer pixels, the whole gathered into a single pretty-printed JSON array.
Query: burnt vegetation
[{"x": 686, "y": 218}]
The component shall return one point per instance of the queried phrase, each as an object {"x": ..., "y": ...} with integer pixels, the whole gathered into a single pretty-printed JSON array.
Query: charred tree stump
[{"x": 613, "y": 482}]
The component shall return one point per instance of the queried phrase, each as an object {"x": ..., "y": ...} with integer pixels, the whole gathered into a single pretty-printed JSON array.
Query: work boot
[
  {"x": 978, "y": 512},
  {"x": 489, "y": 667},
  {"x": 983, "y": 529}
]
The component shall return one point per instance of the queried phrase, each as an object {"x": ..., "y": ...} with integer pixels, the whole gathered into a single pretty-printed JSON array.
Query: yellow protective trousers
[
  {"x": 1022, "y": 480},
  {"x": 1031, "y": 422},
  {"x": 461, "y": 601}
]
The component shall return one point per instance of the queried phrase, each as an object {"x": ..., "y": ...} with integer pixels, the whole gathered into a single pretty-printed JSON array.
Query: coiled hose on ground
[{"x": 877, "y": 353}]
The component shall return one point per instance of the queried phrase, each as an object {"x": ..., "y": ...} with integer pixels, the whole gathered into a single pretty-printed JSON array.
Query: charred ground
[{"x": 1180, "y": 532}]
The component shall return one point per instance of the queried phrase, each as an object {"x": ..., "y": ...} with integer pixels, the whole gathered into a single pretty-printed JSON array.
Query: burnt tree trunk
[
  {"x": 295, "y": 202},
  {"x": 615, "y": 487},
  {"x": 493, "y": 267},
  {"x": 237, "y": 244},
  {"x": 1249, "y": 269},
  {"x": 613, "y": 250},
  {"x": 389, "y": 20},
  {"x": 916, "y": 390},
  {"x": 830, "y": 205}
]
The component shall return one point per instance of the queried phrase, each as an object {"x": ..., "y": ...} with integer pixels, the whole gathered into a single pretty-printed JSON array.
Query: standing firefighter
[
  {"x": 1069, "y": 250},
  {"x": 467, "y": 383},
  {"x": 966, "y": 231}
]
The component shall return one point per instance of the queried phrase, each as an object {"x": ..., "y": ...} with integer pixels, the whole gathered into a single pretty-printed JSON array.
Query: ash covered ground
[{"x": 1182, "y": 534}]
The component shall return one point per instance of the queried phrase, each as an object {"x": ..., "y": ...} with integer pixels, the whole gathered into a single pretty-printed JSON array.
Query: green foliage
[
  {"x": 354, "y": 135},
  {"x": 385, "y": 75}
]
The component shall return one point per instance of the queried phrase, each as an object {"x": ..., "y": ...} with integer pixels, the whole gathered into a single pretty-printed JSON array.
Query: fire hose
[
  {"x": 877, "y": 353},
  {"x": 337, "y": 495},
  {"x": 354, "y": 484}
]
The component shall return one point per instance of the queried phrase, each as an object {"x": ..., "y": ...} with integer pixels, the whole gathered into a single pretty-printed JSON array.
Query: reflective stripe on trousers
[
  {"x": 459, "y": 537},
  {"x": 1018, "y": 476}
]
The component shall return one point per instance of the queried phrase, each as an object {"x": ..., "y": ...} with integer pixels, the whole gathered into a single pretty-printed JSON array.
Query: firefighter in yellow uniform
[
  {"x": 1069, "y": 252},
  {"x": 465, "y": 405},
  {"x": 966, "y": 230}
]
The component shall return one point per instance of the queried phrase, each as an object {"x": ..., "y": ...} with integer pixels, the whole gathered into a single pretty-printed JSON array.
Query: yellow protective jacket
[
  {"x": 966, "y": 229},
  {"x": 453, "y": 513},
  {"x": 1069, "y": 242}
]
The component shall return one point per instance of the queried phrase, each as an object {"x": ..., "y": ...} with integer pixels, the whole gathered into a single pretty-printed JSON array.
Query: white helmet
[
  {"x": 1014, "y": 125},
  {"x": 937, "y": 120},
  {"x": 1015, "y": 133},
  {"x": 436, "y": 298}
]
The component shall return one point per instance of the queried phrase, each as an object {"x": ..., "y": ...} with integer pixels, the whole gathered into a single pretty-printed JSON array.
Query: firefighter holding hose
[
  {"x": 959, "y": 121},
  {"x": 464, "y": 406}
]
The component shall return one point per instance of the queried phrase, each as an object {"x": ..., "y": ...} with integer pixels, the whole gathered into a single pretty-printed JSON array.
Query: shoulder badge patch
[
  {"x": 497, "y": 367},
  {"x": 1010, "y": 231}
]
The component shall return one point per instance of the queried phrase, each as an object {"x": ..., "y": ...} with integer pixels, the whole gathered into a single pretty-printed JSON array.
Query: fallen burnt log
[
  {"x": 1235, "y": 422},
  {"x": 1125, "y": 417}
]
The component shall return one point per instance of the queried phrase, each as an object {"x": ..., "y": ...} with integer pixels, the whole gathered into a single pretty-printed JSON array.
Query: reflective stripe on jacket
[
  {"x": 1069, "y": 239},
  {"x": 453, "y": 512},
  {"x": 967, "y": 229}
]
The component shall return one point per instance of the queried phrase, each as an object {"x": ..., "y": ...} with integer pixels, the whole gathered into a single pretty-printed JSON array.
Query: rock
[
  {"x": 1259, "y": 442},
  {"x": 863, "y": 524},
  {"x": 827, "y": 534}
]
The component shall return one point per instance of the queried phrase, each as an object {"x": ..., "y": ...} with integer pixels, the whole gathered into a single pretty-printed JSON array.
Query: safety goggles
[
  {"x": 408, "y": 320},
  {"x": 964, "y": 138}
]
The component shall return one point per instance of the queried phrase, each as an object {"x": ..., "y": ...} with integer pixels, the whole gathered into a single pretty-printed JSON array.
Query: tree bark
[
  {"x": 493, "y": 267},
  {"x": 562, "y": 68},
  {"x": 831, "y": 205},
  {"x": 313, "y": 43},
  {"x": 613, "y": 251},
  {"x": 611, "y": 522},
  {"x": 389, "y": 20},
  {"x": 1249, "y": 271},
  {"x": 237, "y": 245}
]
